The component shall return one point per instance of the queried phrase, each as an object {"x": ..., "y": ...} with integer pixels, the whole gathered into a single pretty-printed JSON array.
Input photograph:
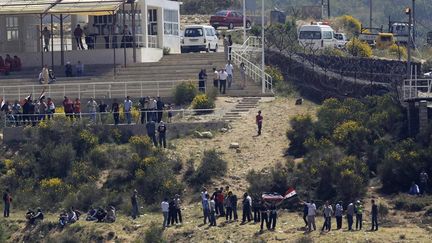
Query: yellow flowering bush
[{"x": 202, "y": 101}]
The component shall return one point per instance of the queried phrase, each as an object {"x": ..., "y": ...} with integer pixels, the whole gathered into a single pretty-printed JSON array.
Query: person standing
[
  {"x": 247, "y": 204},
  {"x": 305, "y": 214},
  {"x": 230, "y": 43},
  {"x": 264, "y": 215},
  {"x": 215, "y": 78},
  {"x": 359, "y": 215},
  {"x": 92, "y": 109},
  {"x": 424, "y": 179},
  {"x": 212, "y": 211},
  {"x": 50, "y": 108},
  {"x": 172, "y": 215},
  {"x": 115, "y": 109},
  {"x": 177, "y": 204},
  {"x": 220, "y": 197},
  {"x": 256, "y": 205},
  {"x": 79, "y": 69},
  {"x": 103, "y": 111},
  {"x": 272, "y": 216},
  {"x": 68, "y": 107},
  {"x": 234, "y": 206},
  {"x": 7, "y": 199},
  {"x": 45, "y": 74},
  {"x": 78, "y": 33},
  {"x": 350, "y": 215},
  {"x": 338, "y": 215},
  {"x": 134, "y": 202},
  {"x": 46, "y": 35},
  {"x": 374, "y": 213},
  {"x": 151, "y": 132},
  {"x": 206, "y": 208},
  {"x": 230, "y": 71},
  {"x": 311, "y": 215},
  {"x": 229, "y": 206},
  {"x": 242, "y": 75},
  {"x": 202, "y": 77},
  {"x": 160, "y": 107},
  {"x": 259, "y": 120},
  {"x": 165, "y": 211},
  {"x": 88, "y": 38},
  {"x": 223, "y": 75},
  {"x": 162, "y": 134},
  {"x": 128, "y": 109},
  {"x": 328, "y": 212},
  {"x": 68, "y": 69}
]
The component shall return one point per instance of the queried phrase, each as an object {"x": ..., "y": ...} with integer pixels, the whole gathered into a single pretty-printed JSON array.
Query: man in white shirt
[
  {"x": 128, "y": 109},
  {"x": 223, "y": 75},
  {"x": 165, "y": 210},
  {"x": 92, "y": 108},
  {"x": 229, "y": 68},
  {"x": 311, "y": 215},
  {"x": 215, "y": 78}
]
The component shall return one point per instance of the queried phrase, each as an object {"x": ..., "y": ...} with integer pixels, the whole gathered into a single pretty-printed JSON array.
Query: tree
[{"x": 358, "y": 48}]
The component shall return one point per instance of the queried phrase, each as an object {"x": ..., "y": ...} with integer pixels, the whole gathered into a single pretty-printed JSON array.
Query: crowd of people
[
  {"x": 31, "y": 111},
  {"x": 222, "y": 78},
  {"x": 10, "y": 64}
]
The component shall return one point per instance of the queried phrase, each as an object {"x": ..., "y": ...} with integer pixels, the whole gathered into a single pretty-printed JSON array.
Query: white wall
[{"x": 97, "y": 56}]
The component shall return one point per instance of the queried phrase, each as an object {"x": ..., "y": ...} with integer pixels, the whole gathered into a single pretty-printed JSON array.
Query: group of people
[
  {"x": 353, "y": 210},
  {"x": 10, "y": 64},
  {"x": 100, "y": 214},
  {"x": 171, "y": 211},
  {"x": 31, "y": 111},
  {"x": 421, "y": 190},
  {"x": 79, "y": 69},
  {"x": 69, "y": 217},
  {"x": 222, "y": 77}
]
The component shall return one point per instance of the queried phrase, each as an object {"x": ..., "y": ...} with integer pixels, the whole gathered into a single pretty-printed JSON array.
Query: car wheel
[
  {"x": 231, "y": 26},
  {"x": 216, "y": 48},
  {"x": 248, "y": 24}
]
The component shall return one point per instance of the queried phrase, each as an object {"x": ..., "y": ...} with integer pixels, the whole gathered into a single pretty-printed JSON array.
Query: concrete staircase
[
  {"x": 171, "y": 69},
  {"x": 243, "y": 107}
]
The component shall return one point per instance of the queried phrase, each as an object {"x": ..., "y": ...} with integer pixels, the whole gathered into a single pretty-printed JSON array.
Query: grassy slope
[{"x": 255, "y": 153}]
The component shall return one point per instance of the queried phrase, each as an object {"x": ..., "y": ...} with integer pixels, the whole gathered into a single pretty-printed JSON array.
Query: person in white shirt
[
  {"x": 229, "y": 68},
  {"x": 223, "y": 75},
  {"x": 127, "y": 109},
  {"x": 311, "y": 215},
  {"x": 92, "y": 108},
  {"x": 328, "y": 212},
  {"x": 338, "y": 215},
  {"x": 165, "y": 210},
  {"x": 215, "y": 78}
]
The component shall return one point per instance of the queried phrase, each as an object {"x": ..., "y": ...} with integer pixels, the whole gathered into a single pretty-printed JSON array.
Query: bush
[
  {"x": 358, "y": 48},
  {"x": 154, "y": 234},
  {"x": 142, "y": 145},
  {"x": 411, "y": 203},
  {"x": 166, "y": 51},
  {"x": 302, "y": 128},
  {"x": 212, "y": 165},
  {"x": 348, "y": 24},
  {"x": 201, "y": 101},
  {"x": 398, "y": 51},
  {"x": 383, "y": 211},
  {"x": 184, "y": 93}
]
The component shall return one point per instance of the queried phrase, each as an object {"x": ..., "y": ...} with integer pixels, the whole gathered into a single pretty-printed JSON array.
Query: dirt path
[{"x": 255, "y": 152}]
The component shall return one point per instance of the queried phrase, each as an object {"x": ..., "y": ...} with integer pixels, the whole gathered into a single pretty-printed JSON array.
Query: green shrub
[
  {"x": 411, "y": 203},
  {"x": 166, "y": 51},
  {"x": 302, "y": 128},
  {"x": 154, "y": 234},
  {"x": 142, "y": 145},
  {"x": 350, "y": 25},
  {"x": 383, "y": 210},
  {"x": 184, "y": 93},
  {"x": 202, "y": 101},
  {"x": 305, "y": 239},
  {"x": 398, "y": 51},
  {"x": 83, "y": 197},
  {"x": 358, "y": 48},
  {"x": 212, "y": 166}
]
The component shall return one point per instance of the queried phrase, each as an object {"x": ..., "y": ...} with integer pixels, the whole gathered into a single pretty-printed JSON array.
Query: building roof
[{"x": 88, "y": 7}]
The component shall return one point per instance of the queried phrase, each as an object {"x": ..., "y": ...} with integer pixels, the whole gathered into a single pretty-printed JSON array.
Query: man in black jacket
[
  {"x": 162, "y": 134},
  {"x": 159, "y": 106},
  {"x": 151, "y": 131}
]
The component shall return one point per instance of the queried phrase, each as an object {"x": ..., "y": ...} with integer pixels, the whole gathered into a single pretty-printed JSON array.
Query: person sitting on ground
[
  {"x": 30, "y": 213},
  {"x": 68, "y": 69},
  {"x": 100, "y": 214},
  {"x": 72, "y": 216},
  {"x": 91, "y": 215},
  {"x": 111, "y": 215},
  {"x": 63, "y": 218},
  {"x": 39, "y": 216},
  {"x": 414, "y": 189}
]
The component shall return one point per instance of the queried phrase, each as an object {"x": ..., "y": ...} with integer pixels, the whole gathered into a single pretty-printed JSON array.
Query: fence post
[
  {"x": 109, "y": 90},
  {"x": 158, "y": 93},
  {"x": 19, "y": 93},
  {"x": 49, "y": 91},
  {"x": 79, "y": 91},
  {"x": 141, "y": 89},
  {"x": 125, "y": 88},
  {"x": 64, "y": 90},
  {"x": 94, "y": 91}
]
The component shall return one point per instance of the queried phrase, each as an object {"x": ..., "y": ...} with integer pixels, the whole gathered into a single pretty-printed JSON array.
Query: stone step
[{"x": 240, "y": 110}]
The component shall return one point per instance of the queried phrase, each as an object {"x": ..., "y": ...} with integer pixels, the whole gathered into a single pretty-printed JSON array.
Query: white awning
[{"x": 87, "y": 7}]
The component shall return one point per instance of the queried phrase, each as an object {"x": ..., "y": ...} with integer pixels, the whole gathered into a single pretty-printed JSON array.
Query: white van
[
  {"x": 317, "y": 36},
  {"x": 199, "y": 38}
]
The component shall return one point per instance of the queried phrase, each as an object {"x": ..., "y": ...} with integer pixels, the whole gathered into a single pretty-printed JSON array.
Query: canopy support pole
[
  {"x": 52, "y": 43},
  {"x": 114, "y": 46},
  {"x": 133, "y": 31},
  {"x": 42, "y": 41},
  {"x": 124, "y": 34},
  {"x": 61, "y": 41}
]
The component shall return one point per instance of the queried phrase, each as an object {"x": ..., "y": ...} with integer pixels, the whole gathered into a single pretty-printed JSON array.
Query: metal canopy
[{"x": 87, "y": 7}]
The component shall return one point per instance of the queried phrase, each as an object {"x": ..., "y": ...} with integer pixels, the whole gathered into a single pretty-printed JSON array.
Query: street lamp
[
  {"x": 263, "y": 46},
  {"x": 409, "y": 13}
]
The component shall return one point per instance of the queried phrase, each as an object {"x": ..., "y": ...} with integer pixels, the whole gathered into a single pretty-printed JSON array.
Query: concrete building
[{"x": 116, "y": 32}]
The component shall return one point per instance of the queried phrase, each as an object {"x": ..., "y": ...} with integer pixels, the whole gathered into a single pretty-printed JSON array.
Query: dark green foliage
[
  {"x": 212, "y": 166},
  {"x": 154, "y": 234},
  {"x": 301, "y": 129},
  {"x": 184, "y": 93},
  {"x": 412, "y": 203}
]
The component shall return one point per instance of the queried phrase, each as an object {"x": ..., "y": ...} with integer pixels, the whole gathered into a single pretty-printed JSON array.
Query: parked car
[
  {"x": 230, "y": 19},
  {"x": 317, "y": 36},
  {"x": 198, "y": 38},
  {"x": 341, "y": 40}
]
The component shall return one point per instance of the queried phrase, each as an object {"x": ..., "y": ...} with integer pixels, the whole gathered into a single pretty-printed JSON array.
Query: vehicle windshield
[
  {"x": 221, "y": 13},
  {"x": 193, "y": 32},
  {"x": 338, "y": 36},
  {"x": 314, "y": 35}
]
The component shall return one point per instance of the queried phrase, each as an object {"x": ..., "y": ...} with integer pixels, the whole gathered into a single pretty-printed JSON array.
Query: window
[
  {"x": 152, "y": 21},
  {"x": 314, "y": 35},
  {"x": 171, "y": 22},
  {"x": 193, "y": 32},
  {"x": 209, "y": 32},
  {"x": 327, "y": 35},
  {"x": 12, "y": 32},
  {"x": 222, "y": 13}
]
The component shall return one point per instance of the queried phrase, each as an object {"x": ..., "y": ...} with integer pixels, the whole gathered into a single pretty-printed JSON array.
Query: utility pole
[
  {"x": 409, "y": 13},
  {"x": 414, "y": 22},
  {"x": 370, "y": 13},
  {"x": 328, "y": 9},
  {"x": 263, "y": 81},
  {"x": 244, "y": 21}
]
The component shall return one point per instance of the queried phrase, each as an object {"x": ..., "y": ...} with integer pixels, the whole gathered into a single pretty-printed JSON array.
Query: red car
[{"x": 229, "y": 18}]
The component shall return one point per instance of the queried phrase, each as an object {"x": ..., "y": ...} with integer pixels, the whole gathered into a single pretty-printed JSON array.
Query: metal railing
[
  {"x": 105, "y": 118},
  {"x": 415, "y": 88},
  {"x": 86, "y": 90}
]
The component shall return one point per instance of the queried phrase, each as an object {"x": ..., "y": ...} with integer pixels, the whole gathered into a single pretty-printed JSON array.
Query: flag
[
  {"x": 273, "y": 196},
  {"x": 2, "y": 103},
  {"x": 290, "y": 193},
  {"x": 29, "y": 97}
]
